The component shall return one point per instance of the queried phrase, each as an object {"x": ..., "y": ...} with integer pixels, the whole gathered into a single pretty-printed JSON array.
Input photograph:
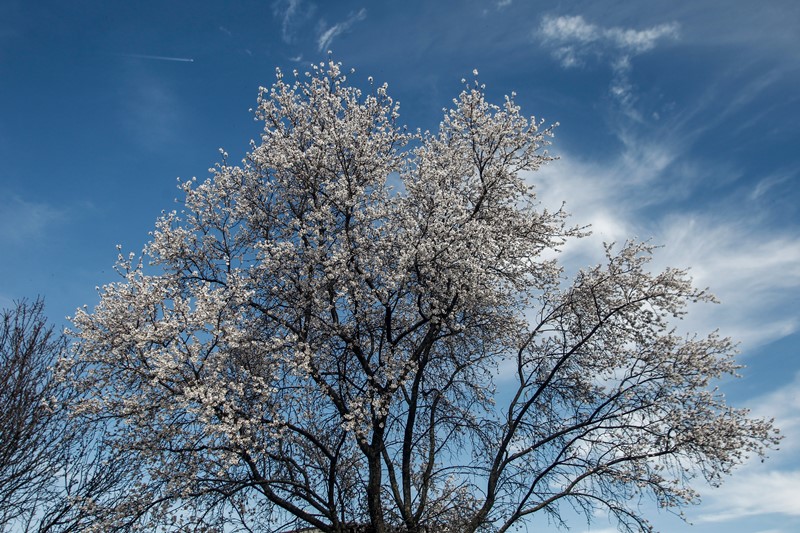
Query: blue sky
[{"x": 679, "y": 123}]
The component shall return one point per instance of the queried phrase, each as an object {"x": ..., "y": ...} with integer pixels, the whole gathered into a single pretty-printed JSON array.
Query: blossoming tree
[{"x": 318, "y": 338}]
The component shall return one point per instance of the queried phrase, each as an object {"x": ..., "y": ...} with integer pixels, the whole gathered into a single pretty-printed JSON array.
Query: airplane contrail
[{"x": 159, "y": 58}]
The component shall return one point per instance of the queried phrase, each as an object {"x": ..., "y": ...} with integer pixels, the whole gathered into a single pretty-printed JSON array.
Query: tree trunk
[{"x": 374, "y": 500}]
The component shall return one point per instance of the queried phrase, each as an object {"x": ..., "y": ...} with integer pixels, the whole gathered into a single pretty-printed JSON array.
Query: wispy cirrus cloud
[
  {"x": 294, "y": 14},
  {"x": 328, "y": 34},
  {"x": 755, "y": 493},
  {"x": 291, "y": 13},
  {"x": 774, "y": 180},
  {"x": 574, "y": 41}
]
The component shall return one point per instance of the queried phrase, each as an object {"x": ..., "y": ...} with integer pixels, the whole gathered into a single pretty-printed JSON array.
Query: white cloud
[
  {"x": 756, "y": 493},
  {"x": 566, "y": 29},
  {"x": 755, "y": 273},
  {"x": 608, "y": 194},
  {"x": 571, "y": 35},
  {"x": 573, "y": 40},
  {"x": 753, "y": 268},
  {"x": 640, "y": 41},
  {"x": 327, "y": 35}
]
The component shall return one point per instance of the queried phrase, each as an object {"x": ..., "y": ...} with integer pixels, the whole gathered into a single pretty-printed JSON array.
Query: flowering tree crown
[{"x": 316, "y": 339}]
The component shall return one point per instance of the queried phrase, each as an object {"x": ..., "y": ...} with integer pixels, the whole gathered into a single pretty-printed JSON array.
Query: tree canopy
[{"x": 360, "y": 328}]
